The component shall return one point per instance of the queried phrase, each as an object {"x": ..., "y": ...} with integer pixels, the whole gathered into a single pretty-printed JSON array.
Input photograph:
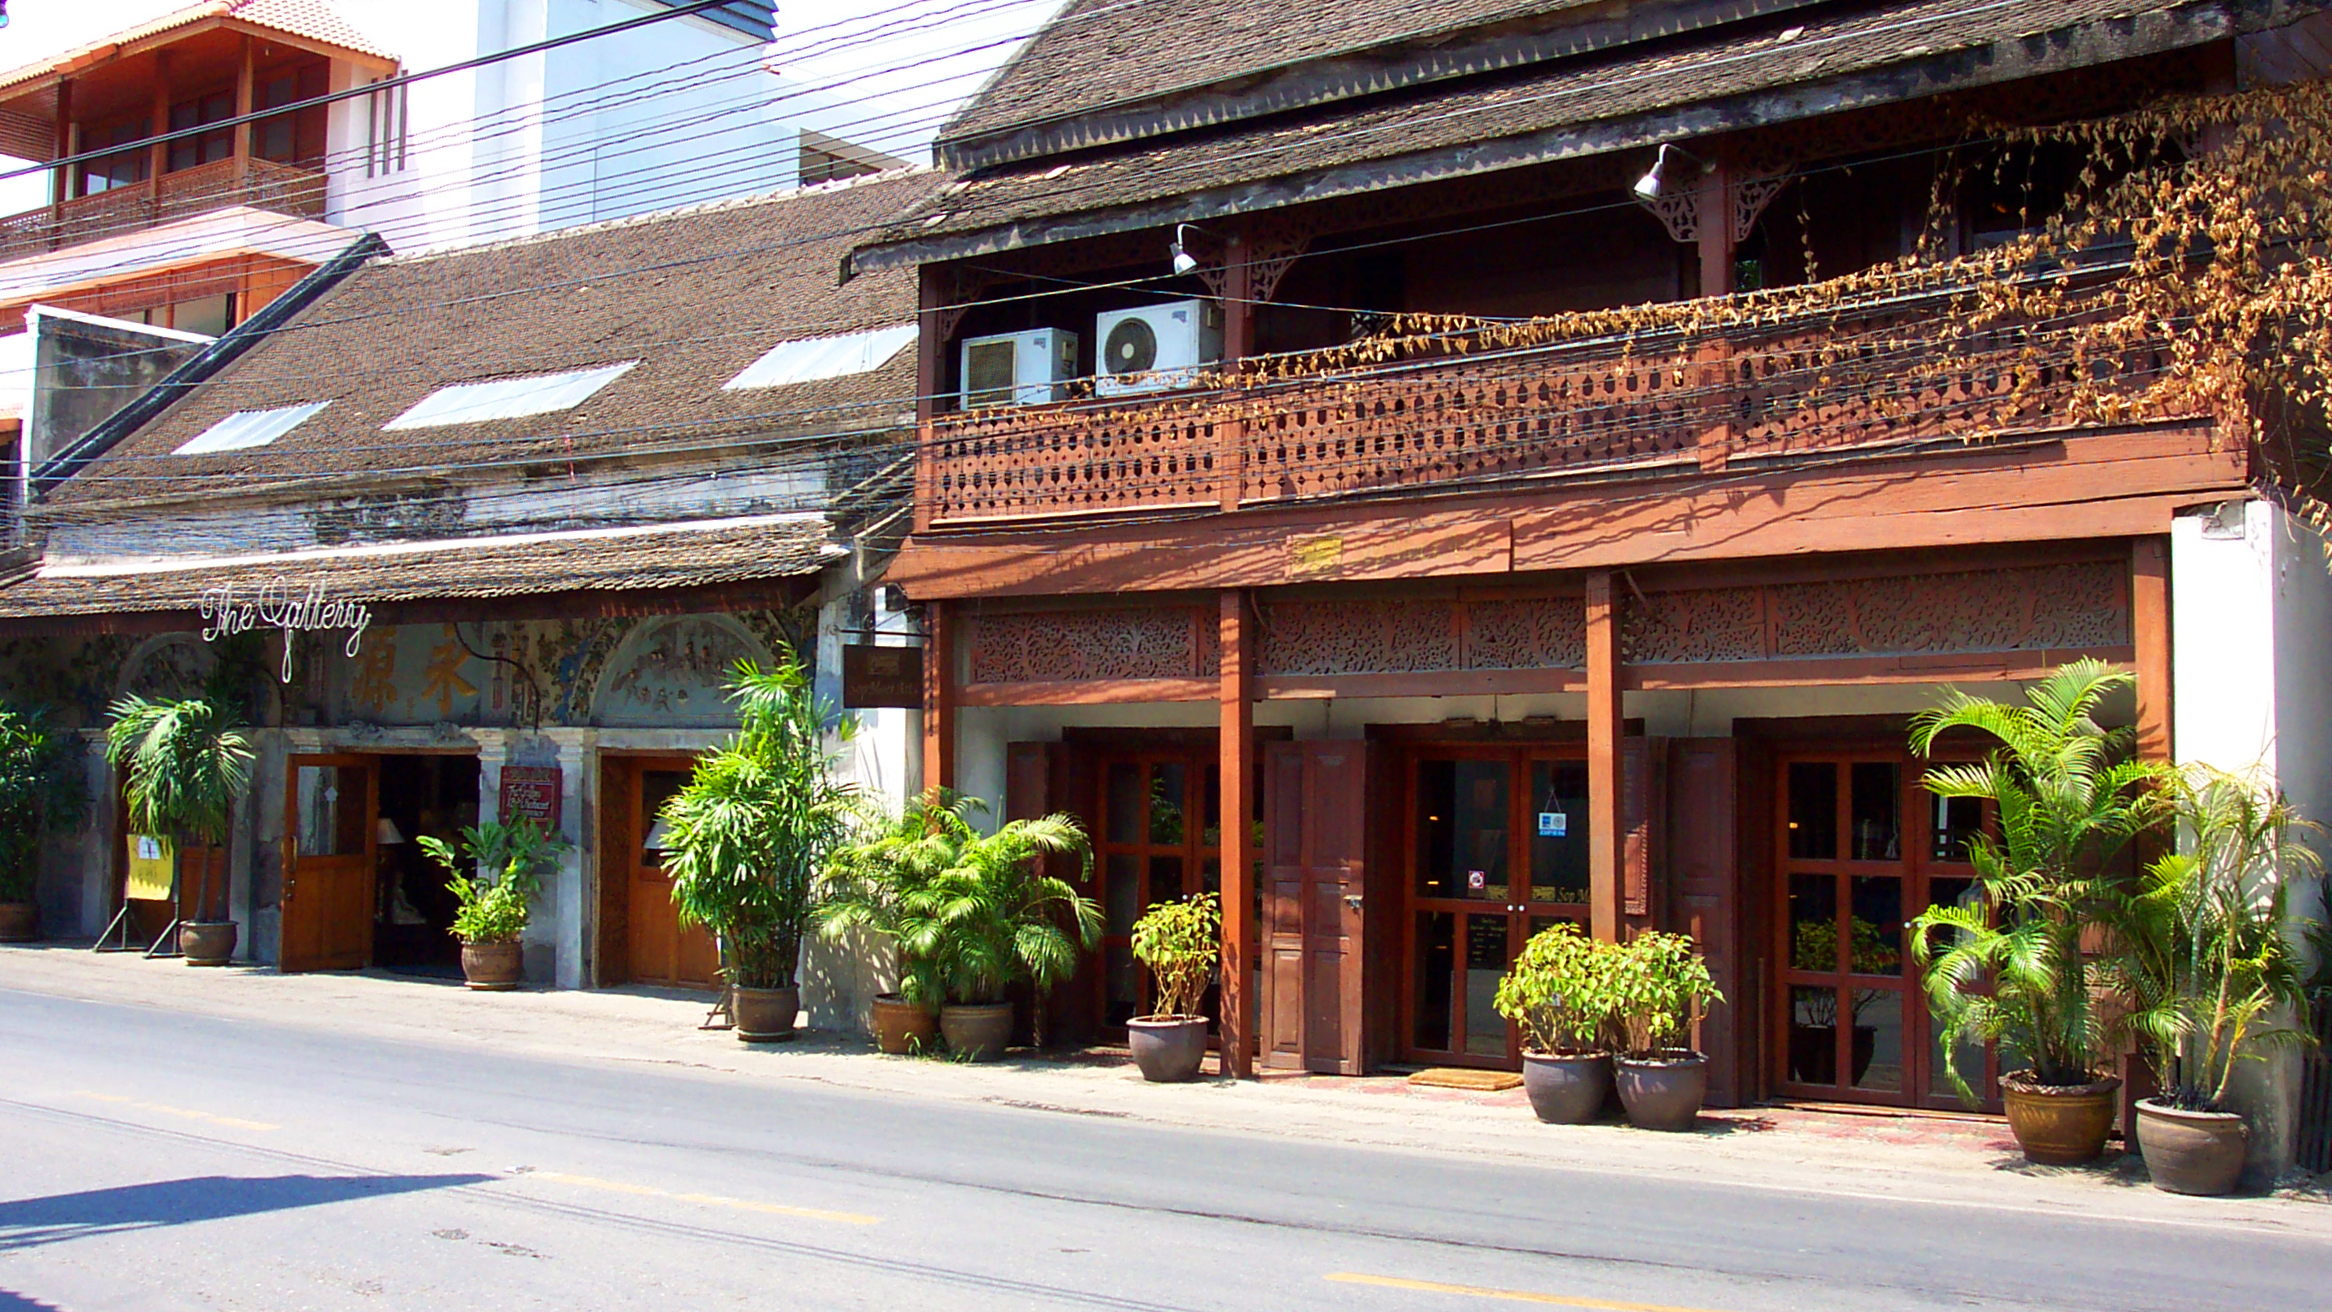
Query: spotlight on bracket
[
  {"x": 1184, "y": 262},
  {"x": 1655, "y": 179}
]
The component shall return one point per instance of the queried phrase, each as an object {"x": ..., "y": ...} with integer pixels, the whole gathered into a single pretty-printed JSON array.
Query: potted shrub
[
  {"x": 750, "y": 832},
  {"x": 2204, "y": 959},
  {"x": 1180, "y": 943},
  {"x": 1559, "y": 991},
  {"x": 186, "y": 763},
  {"x": 1659, "y": 986},
  {"x": 39, "y": 789},
  {"x": 866, "y": 888},
  {"x": 2015, "y": 967},
  {"x": 495, "y": 875}
]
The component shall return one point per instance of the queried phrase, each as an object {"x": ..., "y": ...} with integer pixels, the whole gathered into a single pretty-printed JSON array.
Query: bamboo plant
[
  {"x": 186, "y": 764},
  {"x": 39, "y": 790},
  {"x": 495, "y": 872},
  {"x": 1180, "y": 942}
]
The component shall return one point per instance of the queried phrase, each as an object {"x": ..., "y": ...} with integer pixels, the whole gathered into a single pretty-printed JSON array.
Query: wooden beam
[
  {"x": 939, "y": 693},
  {"x": 1237, "y": 747},
  {"x": 2150, "y": 634},
  {"x": 1088, "y": 692},
  {"x": 1604, "y": 809}
]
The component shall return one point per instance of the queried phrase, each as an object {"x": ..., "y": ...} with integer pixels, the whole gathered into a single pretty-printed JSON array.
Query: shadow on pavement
[
  {"x": 32, "y": 1222},
  {"x": 11, "y": 1301}
]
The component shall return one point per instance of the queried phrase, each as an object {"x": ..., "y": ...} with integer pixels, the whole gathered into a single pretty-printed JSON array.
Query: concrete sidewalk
[{"x": 1953, "y": 1162}]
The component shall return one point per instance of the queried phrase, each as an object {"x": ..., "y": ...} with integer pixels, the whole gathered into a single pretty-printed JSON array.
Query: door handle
[{"x": 1352, "y": 900}]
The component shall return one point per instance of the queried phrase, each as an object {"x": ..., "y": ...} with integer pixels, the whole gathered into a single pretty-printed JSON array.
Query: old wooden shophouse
[
  {"x": 508, "y": 516},
  {"x": 1374, "y": 464}
]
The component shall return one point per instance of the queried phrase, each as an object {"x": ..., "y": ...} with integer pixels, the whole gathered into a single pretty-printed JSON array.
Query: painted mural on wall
[
  {"x": 673, "y": 670},
  {"x": 77, "y": 678}
]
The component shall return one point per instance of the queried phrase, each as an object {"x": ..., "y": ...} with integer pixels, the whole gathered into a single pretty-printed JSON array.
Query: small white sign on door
[
  {"x": 1477, "y": 879},
  {"x": 1554, "y": 824}
]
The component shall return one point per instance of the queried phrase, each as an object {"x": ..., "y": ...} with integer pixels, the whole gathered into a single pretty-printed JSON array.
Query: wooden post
[
  {"x": 158, "y": 154},
  {"x": 1237, "y": 749},
  {"x": 62, "y": 189},
  {"x": 1238, "y": 344},
  {"x": 931, "y": 343},
  {"x": 243, "y": 105},
  {"x": 938, "y": 695},
  {"x": 2150, "y": 635},
  {"x": 1714, "y": 359},
  {"x": 1604, "y": 810}
]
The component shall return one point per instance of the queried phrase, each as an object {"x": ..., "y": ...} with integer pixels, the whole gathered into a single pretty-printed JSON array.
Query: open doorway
[{"x": 436, "y": 795}]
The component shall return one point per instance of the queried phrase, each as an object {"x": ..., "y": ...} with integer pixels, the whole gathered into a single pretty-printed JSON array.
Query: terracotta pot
[
  {"x": 2192, "y": 1152},
  {"x": 979, "y": 1031},
  {"x": 1169, "y": 1049},
  {"x": 1566, "y": 1089},
  {"x": 207, "y": 942},
  {"x": 903, "y": 1028},
  {"x": 493, "y": 967},
  {"x": 2059, "y": 1125},
  {"x": 19, "y": 922},
  {"x": 1663, "y": 1092},
  {"x": 765, "y": 1015}
]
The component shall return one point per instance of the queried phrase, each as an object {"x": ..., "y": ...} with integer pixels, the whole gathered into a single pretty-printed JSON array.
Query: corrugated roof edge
[{"x": 242, "y": 337}]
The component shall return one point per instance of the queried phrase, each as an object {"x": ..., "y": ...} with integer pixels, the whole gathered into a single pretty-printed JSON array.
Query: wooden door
[
  {"x": 328, "y": 885},
  {"x": 1157, "y": 837},
  {"x": 1704, "y": 883},
  {"x": 1315, "y": 903},
  {"x": 659, "y": 949}
]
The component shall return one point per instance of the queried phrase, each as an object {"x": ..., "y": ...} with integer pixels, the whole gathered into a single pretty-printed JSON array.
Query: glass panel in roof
[
  {"x": 508, "y": 398},
  {"x": 824, "y": 357},
  {"x": 245, "y": 429}
]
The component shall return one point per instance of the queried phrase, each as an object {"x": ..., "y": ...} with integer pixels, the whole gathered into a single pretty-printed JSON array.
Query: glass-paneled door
[
  {"x": 1497, "y": 850},
  {"x": 1159, "y": 838}
]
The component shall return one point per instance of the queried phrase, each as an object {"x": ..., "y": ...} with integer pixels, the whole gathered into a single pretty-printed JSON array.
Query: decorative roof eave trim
[{"x": 2005, "y": 60}]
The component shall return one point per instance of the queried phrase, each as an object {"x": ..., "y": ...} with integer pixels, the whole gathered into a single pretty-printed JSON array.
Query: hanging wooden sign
[
  {"x": 532, "y": 791},
  {"x": 881, "y": 676},
  {"x": 229, "y": 610}
]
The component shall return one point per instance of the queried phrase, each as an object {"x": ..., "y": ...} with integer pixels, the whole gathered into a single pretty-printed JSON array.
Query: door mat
[{"x": 1453, "y": 1077}]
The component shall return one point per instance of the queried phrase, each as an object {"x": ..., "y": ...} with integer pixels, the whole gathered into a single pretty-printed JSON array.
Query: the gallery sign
[{"x": 230, "y": 610}]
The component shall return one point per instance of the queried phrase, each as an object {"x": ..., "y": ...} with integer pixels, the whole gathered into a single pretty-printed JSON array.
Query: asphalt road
[{"x": 150, "y": 1160}]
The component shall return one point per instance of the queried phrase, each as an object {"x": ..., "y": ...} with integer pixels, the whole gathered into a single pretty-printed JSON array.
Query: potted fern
[
  {"x": 1659, "y": 988},
  {"x": 1559, "y": 991},
  {"x": 749, "y": 833},
  {"x": 867, "y": 888},
  {"x": 2204, "y": 958},
  {"x": 186, "y": 764},
  {"x": 1179, "y": 942},
  {"x": 38, "y": 791},
  {"x": 2016, "y": 966},
  {"x": 494, "y": 876}
]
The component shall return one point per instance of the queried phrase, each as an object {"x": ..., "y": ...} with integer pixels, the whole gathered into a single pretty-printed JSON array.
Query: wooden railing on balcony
[
  {"x": 259, "y": 183},
  {"x": 1878, "y": 377}
]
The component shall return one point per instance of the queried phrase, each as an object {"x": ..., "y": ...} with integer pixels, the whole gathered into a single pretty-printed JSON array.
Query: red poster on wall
[{"x": 531, "y": 791}]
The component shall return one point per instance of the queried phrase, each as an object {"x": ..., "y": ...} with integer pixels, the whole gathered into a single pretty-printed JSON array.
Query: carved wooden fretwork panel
[
  {"x": 1359, "y": 637},
  {"x": 1710, "y": 624},
  {"x": 1751, "y": 194},
  {"x": 1678, "y": 211},
  {"x": 1153, "y": 642},
  {"x": 1547, "y": 633}
]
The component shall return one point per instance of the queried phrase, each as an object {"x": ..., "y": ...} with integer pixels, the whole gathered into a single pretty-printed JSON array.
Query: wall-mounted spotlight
[
  {"x": 1184, "y": 261},
  {"x": 1655, "y": 179}
]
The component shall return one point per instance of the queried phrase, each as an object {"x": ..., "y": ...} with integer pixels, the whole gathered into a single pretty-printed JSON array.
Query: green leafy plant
[
  {"x": 2013, "y": 967},
  {"x": 39, "y": 790},
  {"x": 1180, "y": 942},
  {"x": 2203, "y": 953},
  {"x": 186, "y": 763},
  {"x": 1560, "y": 991},
  {"x": 749, "y": 833},
  {"x": 496, "y": 872},
  {"x": 868, "y": 882},
  {"x": 1659, "y": 986}
]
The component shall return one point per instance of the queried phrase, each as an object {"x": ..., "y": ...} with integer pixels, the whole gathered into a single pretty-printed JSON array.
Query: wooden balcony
[
  {"x": 1883, "y": 377},
  {"x": 258, "y": 183}
]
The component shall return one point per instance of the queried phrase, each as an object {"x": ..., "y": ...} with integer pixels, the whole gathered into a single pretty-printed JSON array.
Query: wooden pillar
[
  {"x": 930, "y": 359},
  {"x": 1238, "y": 344},
  {"x": 2150, "y": 635},
  {"x": 1713, "y": 360},
  {"x": 244, "y": 101},
  {"x": 158, "y": 154},
  {"x": 939, "y": 725},
  {"x": 62, "y": 189},
  {"x": 1237, "y": 748},
  {"x": 1604, "y": 767}
]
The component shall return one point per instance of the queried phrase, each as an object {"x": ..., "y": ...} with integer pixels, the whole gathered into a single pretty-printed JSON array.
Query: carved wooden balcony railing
[
  {"x": 258, "y": 183},
  {"x": 1873, "y": 378}
]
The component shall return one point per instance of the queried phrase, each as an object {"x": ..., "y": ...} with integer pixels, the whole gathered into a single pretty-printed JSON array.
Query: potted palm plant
[
  {"x": 1559, "y": 990},
  {"x": 186, "y": 764},
  {"x": 38, "y": 790},
  {"x": 1179, "y": 942},
  {"x": 749, "y": 833},
  {"x": 2015, "y": 966},
  {"x": 1659, "y": 988},
  {"x": 2204, "y": 959},
  {"x": 867, "y": 887},
  {"x": 495, "y": 874}
]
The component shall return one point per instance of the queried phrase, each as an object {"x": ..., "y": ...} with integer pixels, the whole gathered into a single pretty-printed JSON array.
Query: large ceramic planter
[
  {"x": 207, "y": 942},
  {"x": 2059, "y": 1125},
  {"x": 902, "y": 1028},
  {"x": 493, "y": 967},
  {"x": 1566, "y": 1089},
  {"x": 1663, "y": 1092},
  {"x": 977, "y": 1032},
  {"x": 2192, "y": 1152},
  {"x": 1168, "y": 1049},
  {"x": 19, "y": 922},
  {"x": 765, "y": 1015}
]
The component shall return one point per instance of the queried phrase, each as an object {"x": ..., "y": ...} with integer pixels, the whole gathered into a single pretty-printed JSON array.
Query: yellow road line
[
  {"x": 184, "y": 1113},
  {"x": 1501, "y": 1295},
  {"x": 712, "y": 1200}
]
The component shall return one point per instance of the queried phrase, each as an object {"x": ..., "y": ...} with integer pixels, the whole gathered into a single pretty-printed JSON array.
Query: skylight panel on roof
[
  {"x": 245, "y": 429},
  {"x": 508, "y": 398},
  {"x": 824, "y": 357}
]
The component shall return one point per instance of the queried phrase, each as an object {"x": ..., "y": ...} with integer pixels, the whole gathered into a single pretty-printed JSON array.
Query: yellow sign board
[{"x": 153, "y": 865}]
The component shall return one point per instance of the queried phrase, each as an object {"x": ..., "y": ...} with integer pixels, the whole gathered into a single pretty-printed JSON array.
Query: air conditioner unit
[
  {"x": 1156, "y": 347},
  {"x": 1026, "y": 368}
]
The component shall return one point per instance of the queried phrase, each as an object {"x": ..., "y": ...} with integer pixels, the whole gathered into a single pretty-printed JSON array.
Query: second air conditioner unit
[
  {"x": 1025, "y": 368},
  {"x": 1156, "y": 347}
]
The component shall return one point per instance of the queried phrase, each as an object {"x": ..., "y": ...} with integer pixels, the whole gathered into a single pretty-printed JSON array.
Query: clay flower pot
[
  {"x": 1664, "y": 1091},
  {"x": 2192, "y": 1152},
  {"x": 1168, "y": 1049},
  {"x": 765, "y": 1015},
  {"x": 19, "y": 922},
  {"x": 2059, "y": 1125},
  {"x": 207, "y": 942},
  {"x": 902, "y": 1028},
  {"x": 492, "y": 967},
  {"x": 1566, "y": 1088},
  {"x": 977, "y": 1031}
]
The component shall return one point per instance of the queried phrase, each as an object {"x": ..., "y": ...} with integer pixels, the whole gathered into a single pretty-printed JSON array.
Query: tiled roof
[
  {"x": 694, "y": 295},
  {"x": 315, "y": 20},
  {"x": 1457, "y": 120},
  {"x": 676, "y": 556}
]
